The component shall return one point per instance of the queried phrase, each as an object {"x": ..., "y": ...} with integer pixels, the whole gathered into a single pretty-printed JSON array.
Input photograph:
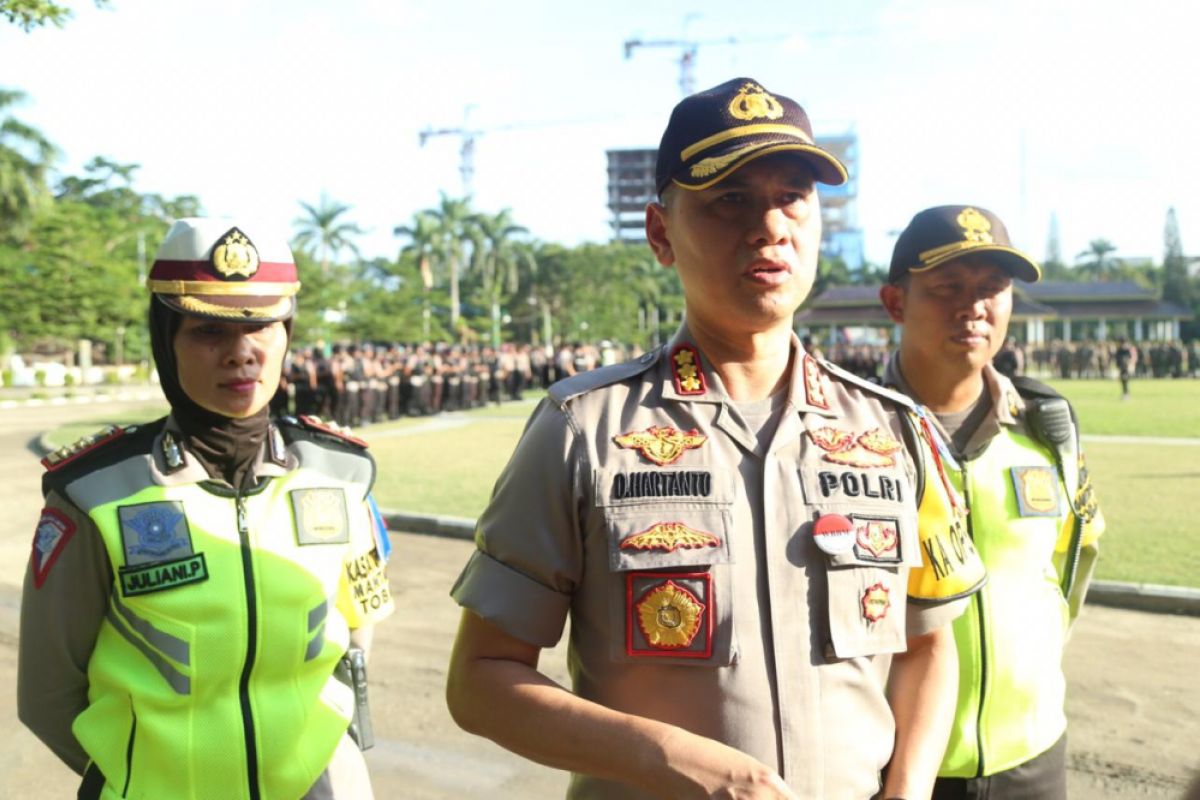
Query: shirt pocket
[
  {"x": 868, "y": 555},
  {"x": 668, "y": 557}
]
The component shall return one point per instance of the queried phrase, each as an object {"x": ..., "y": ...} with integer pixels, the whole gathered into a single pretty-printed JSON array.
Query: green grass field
[{"x": 447, "y": 465}]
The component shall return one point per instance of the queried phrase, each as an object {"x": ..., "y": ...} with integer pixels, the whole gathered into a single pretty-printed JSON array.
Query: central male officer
[{"x": 744, "y": 539}]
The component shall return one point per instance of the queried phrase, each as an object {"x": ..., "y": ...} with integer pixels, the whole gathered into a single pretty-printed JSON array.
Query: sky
[{"x": 1082, "y": 111}]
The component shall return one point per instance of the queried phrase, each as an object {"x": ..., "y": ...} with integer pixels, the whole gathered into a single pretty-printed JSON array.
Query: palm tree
[
  {"x": 25, "y": 158},
  {"x": 452, "y": 218},
  {"x": 1098, "y": 264},
  {"x": 423, "y": 245},
  {"x": 322, "y": 227},
  {"x": 498, "y": 258}
]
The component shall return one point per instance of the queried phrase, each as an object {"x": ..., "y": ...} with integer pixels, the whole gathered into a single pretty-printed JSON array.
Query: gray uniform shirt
[{"x": 686, "y": 556}]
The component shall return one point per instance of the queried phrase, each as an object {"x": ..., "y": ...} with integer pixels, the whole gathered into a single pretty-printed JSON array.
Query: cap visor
[
  {"x": 1011, "y": 260},
  {"x": 717, "y": 165},
  {"x": 232, "y": 308}
]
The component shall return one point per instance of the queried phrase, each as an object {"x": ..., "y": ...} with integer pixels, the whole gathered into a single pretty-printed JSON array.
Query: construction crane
[
  {"x": 466, "y": 165},
  {"x": 687, "y": 58}
]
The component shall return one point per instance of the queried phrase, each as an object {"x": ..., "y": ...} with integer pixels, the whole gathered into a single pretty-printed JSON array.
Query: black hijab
[{"x": 225, "y": 446}]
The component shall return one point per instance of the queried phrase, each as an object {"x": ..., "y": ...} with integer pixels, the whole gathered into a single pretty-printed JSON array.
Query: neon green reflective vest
[
  {"x": 212, "y": 676},
  {"x": 1010, "y": 640}
]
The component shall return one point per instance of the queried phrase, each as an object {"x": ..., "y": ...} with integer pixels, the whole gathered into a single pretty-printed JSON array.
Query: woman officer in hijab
[{"x": 199, "y": 585}]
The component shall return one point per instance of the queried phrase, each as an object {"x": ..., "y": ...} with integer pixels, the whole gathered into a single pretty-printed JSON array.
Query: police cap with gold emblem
[
  {"x": 941, "y": 234},
  {"x": 713, "y": 133},
  {"x": 219, "y": 269}
]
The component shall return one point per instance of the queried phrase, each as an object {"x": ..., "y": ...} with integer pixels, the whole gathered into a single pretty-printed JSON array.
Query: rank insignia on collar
[
  {"x": 814, "y": 384},
  {"x": 54, "y": 530},
  {"x": 685, "y": 368},
  {"x": 669, "y": 616},
  {"x": 661, "y": 445},
  {"x": 875, "y": 448},
  {"x": 875, "y": 602},
  {"x": 276, "y": 446},
  {"x": 172, "y": 453},
  {"x": 669, "y": 537}
]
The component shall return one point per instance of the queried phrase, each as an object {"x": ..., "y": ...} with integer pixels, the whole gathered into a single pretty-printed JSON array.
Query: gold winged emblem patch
[
  {"x": 669, "y": 537},
  {"x": 661, "y": 445}
]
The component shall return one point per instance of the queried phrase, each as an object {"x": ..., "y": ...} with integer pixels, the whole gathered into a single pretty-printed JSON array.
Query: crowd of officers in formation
[
  {"x": 358, "y": 384},
  {"x": 1058, "y": 359}
]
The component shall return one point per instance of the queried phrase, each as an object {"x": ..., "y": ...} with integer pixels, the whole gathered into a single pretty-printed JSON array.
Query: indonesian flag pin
[{"x": 833, "y": 533}]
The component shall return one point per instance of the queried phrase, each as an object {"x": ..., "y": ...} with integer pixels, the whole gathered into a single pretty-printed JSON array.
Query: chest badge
[
  {"x": 875, "y": 448},
  {"x": 669, "y": 616},
  {"x": 321, "y": 516},
  {"x": 157, "y": 545},
  {"x": 833, "y": 533},
  {"x": 875, "y": 602},
  {"x": 1037, "y": 491},
  {"x": 878, "y": 539},
  {"x": 669, "y": 537},
  {"x": 662, "y": 446}
]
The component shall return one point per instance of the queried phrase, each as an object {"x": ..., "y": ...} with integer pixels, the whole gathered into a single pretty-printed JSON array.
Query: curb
[{"x": 1133, "y": 596}]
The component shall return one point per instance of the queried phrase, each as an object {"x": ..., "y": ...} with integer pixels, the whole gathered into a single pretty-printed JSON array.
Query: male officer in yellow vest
[
  {"x": 745, "y": 539},
  {"x": 1032, "y": 515},
  {"x": 196, "y": 582}
]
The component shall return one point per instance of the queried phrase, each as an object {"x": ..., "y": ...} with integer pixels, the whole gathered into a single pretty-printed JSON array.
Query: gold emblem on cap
[
  {"x": 711, "y": 166},
  {"x": 753, "y": 102},
  {"x": 235, "y": 255},
  {"x": 975, "y": 225}
]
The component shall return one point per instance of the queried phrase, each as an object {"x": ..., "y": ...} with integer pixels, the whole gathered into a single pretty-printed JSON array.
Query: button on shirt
[{"x": 684, "y": 552}]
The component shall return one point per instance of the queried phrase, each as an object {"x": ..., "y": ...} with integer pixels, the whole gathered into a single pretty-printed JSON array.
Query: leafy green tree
[
  {"x": 452, "y": 220},
  {"x": 423, "y": 250},
  {"x": 496, "y": 258},
  {"x": 30, "y": 14},
  {"x": 323, "y": 228},
  {"x": 25, "y": 158},
  {"x": 1097, "y": 261}
]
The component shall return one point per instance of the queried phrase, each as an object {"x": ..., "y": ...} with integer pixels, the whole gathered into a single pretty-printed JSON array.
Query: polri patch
[
  {"x": 154, "y": 532},
  {"x": 321, "y": 516},
  {"x": 54, "y": 530},
  {"x": 1037, "y": 491},
  {"x": 875, "y": 602},
  {"x": 163, "y": 575}
]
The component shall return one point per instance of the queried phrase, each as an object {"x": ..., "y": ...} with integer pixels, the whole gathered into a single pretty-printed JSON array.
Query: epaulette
[
  {"x": 869, "y": 386},
  {"x": 591, "y": 380},
  {"x": 82, "y": 447},
  {"x": 330, "y": 431}
]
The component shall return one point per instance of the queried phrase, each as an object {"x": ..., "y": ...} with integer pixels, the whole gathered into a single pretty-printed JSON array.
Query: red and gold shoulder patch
[
  {"x": 65, "y": 455},
  {"x": 332, "y": 429},
  {"x": 875, "y": 448},
  {"x": 669, "y": 537},
  {"x": 54, "y": 530},
  {"x": 664, "y": 445},
  {"x": 815, "y": 393},
  {"x": 686, "y": 370}
]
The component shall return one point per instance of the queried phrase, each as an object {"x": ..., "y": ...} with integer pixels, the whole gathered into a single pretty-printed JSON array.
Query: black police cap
[
  {"x": 713, "y": 133},
  {"x": 944, "y": 233}
]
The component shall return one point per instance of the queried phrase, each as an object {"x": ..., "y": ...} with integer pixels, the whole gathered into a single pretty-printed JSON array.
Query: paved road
[{"x": 1133, "y": 701}]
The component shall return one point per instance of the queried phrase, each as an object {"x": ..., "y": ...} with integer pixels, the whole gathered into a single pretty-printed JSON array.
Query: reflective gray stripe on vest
[
  {"x": 349, "y": 467},
  {"x": 316, "y": 621},
  {"x": 121, "y": 480},
  {"x": 174, "y": 678},
  {"x": 171, "y": 646}
]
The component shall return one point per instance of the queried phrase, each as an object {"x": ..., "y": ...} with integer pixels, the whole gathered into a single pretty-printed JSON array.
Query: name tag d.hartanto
[
  {"x": 149, "y": 578},
  {"x": 690, "y": 483}
]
